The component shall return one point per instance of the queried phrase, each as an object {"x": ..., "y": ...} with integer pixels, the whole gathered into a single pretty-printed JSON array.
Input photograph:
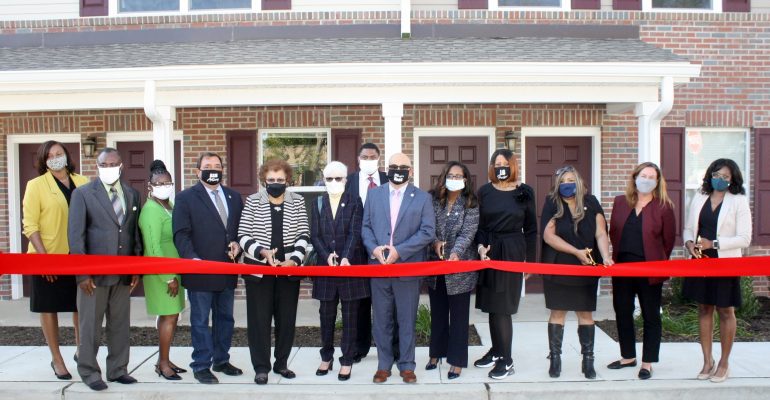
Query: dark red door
[
  {"x": 137, "y": 157},
  {"x": 27, "y": 171},
  {"x": 544, "y": 155},
  {"x": 435, "y": 152}
]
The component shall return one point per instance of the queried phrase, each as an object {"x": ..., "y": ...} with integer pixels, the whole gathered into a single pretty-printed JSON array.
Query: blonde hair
[
  {"x": 659, "y": 192},
  {"x": 579, "y": 195}
]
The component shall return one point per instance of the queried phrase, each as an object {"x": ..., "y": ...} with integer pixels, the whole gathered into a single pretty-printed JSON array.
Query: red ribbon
[{"x": 61, "y": 264}]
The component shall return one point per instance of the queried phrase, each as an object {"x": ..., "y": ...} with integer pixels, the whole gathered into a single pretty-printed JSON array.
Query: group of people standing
[{"x": 377, "y": 218}]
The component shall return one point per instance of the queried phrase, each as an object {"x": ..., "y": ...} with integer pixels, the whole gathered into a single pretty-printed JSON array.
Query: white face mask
[
  {"x": 454, "y": 185},
  {"x": 109, "y": 175},
  {"x": 644, "y": 185},
  {"x": 369, "y": 167},
  {"x": 57, "y": 163},
  {"x": 335, "y": 187},
  {"x": 162, "y": 192}
]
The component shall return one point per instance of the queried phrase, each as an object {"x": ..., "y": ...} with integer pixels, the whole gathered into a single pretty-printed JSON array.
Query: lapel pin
[
  {"x": 412, "y": 195},
  {"x": 133, "y": 209},
  {"x": 343, "y": 204}
]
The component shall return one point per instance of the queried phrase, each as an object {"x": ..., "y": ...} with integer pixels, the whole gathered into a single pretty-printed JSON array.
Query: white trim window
[
  {"x": 704, "y": 145},
  {"x": 692, "y": 6},
  {"x": 129, "y": 6},
  {"x": 176, "y": 7},
  {"x": 220, "y": 4},
  {"x": 556, "y": 5},
  {"x": 305, "y": 149}
]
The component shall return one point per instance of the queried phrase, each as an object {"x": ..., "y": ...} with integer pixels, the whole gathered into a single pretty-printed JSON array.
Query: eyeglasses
[
  {"x": 394, "y": 166},
  {"x": 455, "y": 177},
  {"x": 334, "y": 178},
  {"x": 562, "y": 170},
  {"x": 273, "y": 180},
  {"x": 720, "y": 176},
  {"x": 162, "y": 184}
]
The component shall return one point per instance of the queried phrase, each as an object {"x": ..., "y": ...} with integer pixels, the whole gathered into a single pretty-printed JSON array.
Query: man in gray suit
[
  {"x": 103, "y": 220},
  {"x": 399, "y": 225}
]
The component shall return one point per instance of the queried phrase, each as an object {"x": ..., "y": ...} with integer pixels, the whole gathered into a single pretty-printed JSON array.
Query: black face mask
[
  {"x": 502, "y": 173},
  {"x": 275, "y": 189},
  {"x": 211, "y": 176},
  {"x": 398, "y": 176}
]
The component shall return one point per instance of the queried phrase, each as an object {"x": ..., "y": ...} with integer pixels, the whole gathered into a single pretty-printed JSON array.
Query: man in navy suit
[
  {"x": 399, "y": 224},
  {"x": 358, "y": 184},
  {"x": 205, "y": 225}
]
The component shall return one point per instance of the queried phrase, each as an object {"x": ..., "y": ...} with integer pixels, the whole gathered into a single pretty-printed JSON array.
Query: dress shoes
[
  {"x": 261, "y": 379},
  {"x": 645, "y": 374},
  {"x": 408, "y": 376},
  {"x": 65, "y": 376},
  {"x": 720, "y": 379},
  {"x": 323, "y": 372},
  {"x": 618, "y": 364},
  {"x": 286, "y": 373},
  {"x": 707, "y": 375},
  {"x": 227, "y": 369},
  {"x": 177, "y": 369},
  {"x": 431, "y": 365},
  {"x": 453, "y": 373},
  {"x": 381, "y": 376},
  {"x": 344, "y": 377},
  {"x": 97, "y": 386},
  {"x": 171, "y": 377},
  {"x": 206, "y": 377},
  {"x": 124, "y": 379}
]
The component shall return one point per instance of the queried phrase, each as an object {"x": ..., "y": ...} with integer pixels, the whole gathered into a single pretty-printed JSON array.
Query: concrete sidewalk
[{"x": 25, "y": 373}]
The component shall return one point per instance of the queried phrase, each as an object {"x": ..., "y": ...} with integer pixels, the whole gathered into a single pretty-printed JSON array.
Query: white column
[
  {"x": 392, "y": 113},
  {"x": 162, "y": 118},
  {"x": 406, "y": 18}
]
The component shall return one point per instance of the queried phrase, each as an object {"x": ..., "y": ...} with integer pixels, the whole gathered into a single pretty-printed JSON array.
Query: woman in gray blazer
[{"x": 457, "y": 218}]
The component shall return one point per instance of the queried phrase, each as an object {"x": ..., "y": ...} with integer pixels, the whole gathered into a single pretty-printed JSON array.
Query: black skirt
[
  {"x": 498, "y": 291},
  {"x": 720, "y": 292},
  {"x": 563, "y": 297},
  {"x": 53, "y": 297}
]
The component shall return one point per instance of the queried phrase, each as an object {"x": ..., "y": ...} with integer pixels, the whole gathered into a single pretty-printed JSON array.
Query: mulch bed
[
  {"x": 758, "y": 327},
  {"x": 304, "y": 337}
]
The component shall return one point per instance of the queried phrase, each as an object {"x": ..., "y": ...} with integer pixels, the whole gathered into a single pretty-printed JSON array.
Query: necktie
[
  {"x": 372, "y": 185},
  {"x": 116, "y": 205},
  {"x": 220, "y": 207}
]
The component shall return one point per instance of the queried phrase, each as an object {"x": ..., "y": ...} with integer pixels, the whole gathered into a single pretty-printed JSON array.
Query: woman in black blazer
[
  {"x": 336, "y": 235},
  {"x": 273, "y": 231}
]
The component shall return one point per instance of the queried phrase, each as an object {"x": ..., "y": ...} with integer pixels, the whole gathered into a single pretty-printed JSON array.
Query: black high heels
[
  {"x": 431, "y": 365},
  {"x": 177, "y": 369},
  {"x": 344, "y": 377},
  {"x": 323, "y": 372},
  {"x": 172, "y": 377},
  {"x": 64, "y": 377}
]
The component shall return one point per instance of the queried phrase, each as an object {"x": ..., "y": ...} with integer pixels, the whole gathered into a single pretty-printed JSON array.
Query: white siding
[
  {"x": 606, "y": 5},
  {"x": 760, "y": 6},
  {"x": 421, "y": 5},
  {"x": 38, "y": 9},
  {"x": 346, "y": 5}
]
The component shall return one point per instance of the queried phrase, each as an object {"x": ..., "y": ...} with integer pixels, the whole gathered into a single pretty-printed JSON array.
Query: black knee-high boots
[
  {"x": 586, "y": 336},
  {"x": 555, "y": 336}
]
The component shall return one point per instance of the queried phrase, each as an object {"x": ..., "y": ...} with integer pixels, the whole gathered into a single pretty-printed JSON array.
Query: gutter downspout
[
  {"x": 650, "y": 115},
  {"x": 162, "y": 118}
]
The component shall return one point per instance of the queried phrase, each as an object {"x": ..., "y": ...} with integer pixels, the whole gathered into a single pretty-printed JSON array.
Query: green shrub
[
  {"x": 422, "y": 325},
  {"x": 750, "y": 307}
]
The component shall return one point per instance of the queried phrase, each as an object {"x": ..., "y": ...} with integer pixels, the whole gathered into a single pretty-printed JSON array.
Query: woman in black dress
[
  {"x": 573, "y": 226},
  {"x": 508, "y": 232},
  {"x": 718, "y": 225},
  {"x": 46, "y": 209}
]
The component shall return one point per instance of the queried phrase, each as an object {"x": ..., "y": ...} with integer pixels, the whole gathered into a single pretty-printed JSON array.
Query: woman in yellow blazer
[
  {"x": 46, "y": 208},
  {"x": 718, "y": 225}
]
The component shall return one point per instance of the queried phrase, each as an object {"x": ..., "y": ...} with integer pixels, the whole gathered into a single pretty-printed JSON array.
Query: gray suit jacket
[
  {"x": 93, "y": 227},
  {"x": 415, "y": 226}
]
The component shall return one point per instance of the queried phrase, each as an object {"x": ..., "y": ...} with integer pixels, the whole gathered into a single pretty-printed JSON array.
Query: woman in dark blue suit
[{"x": 335, "y": 232}]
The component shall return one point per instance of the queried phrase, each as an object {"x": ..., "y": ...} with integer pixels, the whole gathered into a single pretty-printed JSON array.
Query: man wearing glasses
[
  {"x": 398, "y": 226},
  {"x": 360, "y": 183},
  {"x": 205, "y": 224},
  {"x": 103, "y": 219}
]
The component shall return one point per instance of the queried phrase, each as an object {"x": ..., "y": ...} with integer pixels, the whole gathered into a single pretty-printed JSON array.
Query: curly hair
[{"x": 276, "y": 165}]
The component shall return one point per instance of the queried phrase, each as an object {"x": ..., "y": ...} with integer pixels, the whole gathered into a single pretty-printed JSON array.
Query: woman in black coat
[{"x": 335, "y": 232}]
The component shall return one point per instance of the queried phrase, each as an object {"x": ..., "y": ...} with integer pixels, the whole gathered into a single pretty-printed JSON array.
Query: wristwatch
[{"x": 715, "y": 244}]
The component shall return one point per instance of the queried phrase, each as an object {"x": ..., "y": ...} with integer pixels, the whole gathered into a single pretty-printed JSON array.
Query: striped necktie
[
  {"x": 116, "y": 205},
  {"x": 220, "y": 207}
]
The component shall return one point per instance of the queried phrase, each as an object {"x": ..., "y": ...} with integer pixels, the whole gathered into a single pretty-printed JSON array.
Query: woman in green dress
[{"x": 164, "y": 294}]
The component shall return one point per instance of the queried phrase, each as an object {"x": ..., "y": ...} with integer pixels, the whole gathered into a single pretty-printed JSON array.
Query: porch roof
[{"x": 336, "y": 50}]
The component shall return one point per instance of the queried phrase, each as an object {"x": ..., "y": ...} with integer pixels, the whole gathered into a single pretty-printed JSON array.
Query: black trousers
[
  {"x": 624, "y": 290},
  {"x": 328, "y": 312},
  {"x": 271, "y": 297},
  {"x": 449, "y": 317},
  {"x": 364, "y": 340}
]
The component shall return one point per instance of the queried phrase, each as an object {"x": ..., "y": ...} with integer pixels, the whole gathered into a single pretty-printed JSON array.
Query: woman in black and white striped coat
[{"x": 273, "y": 231}]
